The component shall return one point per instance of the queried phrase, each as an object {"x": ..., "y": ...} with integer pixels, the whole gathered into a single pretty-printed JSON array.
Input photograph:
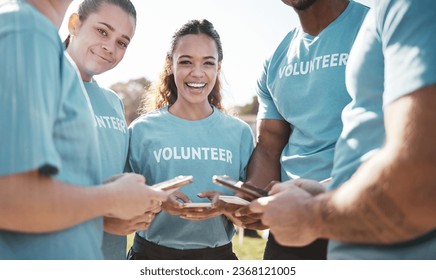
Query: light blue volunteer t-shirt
[
  {"x": 394, "y": 55},
  {"x": 113, "y": 141},
  {"x": 163, "y": 146},
  {"x": 303, "y": 83},
  {"x": 47, "y": 125}
]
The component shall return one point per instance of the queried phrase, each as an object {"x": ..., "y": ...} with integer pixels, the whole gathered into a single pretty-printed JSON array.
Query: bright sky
[{"x": 249, "y": 31}]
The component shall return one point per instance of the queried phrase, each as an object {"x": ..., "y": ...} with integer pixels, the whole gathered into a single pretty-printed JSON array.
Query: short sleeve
[
  {"x": 247, "y": 147},
  {"x": 408, "y": 36},
  {"x": 30, "y": 90},
  {"x": 267, "y": 108}
]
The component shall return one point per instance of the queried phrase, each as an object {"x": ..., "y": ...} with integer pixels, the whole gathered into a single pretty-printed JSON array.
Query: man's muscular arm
[{"x": 391, "y": 197}]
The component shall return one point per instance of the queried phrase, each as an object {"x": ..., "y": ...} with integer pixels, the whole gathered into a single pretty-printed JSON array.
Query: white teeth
[{"x": 196, "y": 85}]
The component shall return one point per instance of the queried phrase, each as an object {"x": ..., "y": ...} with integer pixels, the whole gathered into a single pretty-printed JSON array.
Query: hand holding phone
[
  {"x": 197, "y": 205},
  {"x": 234, "y": 200},
  {"x": 173, "y": 184},
  {"x": 247, "y": 190}
]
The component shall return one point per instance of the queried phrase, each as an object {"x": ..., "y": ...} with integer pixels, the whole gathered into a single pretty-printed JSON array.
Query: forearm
[
  {"x": 388, "y": 208},
  {"x": 263, "y": 167},
  {"x": 392, "y": 196},
  {"x": 34, "y": 203}
]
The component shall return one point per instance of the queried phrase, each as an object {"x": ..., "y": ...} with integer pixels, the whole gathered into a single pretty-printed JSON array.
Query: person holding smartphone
[
  {"x": 381, "y": 202},
  {"x": 301, "y": 94},
  {"x": 100, "y": 33},
  {"x": 51, "y": 197},
  {"x": 188, "y": 133}
]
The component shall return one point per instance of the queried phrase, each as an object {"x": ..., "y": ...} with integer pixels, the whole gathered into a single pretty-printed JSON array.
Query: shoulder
[
  {"x": 235, "y": 122},
  {"x": 358, "y": 11},
  {"x": 148, "y": 119},
  {"x": 32, "y": 24},
  {"x": 282, "y": 48},
  {"x": 290, "y": 37},
  {"x": 111, "y": 94}
]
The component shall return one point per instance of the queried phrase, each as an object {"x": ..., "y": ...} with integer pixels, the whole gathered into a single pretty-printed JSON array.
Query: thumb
[
  {"x": 157, "y": 195},
  {"x": 209, "y": 194},
  {"x": 259, "y": 205}
]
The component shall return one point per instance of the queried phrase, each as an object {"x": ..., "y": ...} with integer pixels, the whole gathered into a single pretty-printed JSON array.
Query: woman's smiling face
[
  {"x": 101, "y": 40},
  {"x": 195, "y": 67}
]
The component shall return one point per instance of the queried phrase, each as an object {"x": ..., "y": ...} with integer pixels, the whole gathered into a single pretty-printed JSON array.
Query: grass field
[{"x": 250, "y": 249}]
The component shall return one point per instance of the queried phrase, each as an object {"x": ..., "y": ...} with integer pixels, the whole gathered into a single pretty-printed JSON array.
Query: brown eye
[
  {"x": 122, "y": 44},
  {"x": 102, "y": 31}
]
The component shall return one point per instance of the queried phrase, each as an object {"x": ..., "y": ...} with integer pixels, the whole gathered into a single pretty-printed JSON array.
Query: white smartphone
[
  {"x": 197, "y": 205},
  {"x": 326, "y": 182},
  {"x": 234, "y": 200},
  {"x": 173, "y": 184}
]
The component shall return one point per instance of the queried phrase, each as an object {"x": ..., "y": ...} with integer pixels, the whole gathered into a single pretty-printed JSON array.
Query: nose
[
  {"x": 107, "y": 46},
  {"x": 197, "y": 71}
]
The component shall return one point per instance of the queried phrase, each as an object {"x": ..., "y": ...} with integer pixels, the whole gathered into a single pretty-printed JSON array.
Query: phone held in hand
[
  {"x": 234, "y": 200},
  {"x": 326, "y": 182},
  {"x": 249, "y": 191},
  {"x": 174, "y": 184},
  {"x": 197, "y": 205}
]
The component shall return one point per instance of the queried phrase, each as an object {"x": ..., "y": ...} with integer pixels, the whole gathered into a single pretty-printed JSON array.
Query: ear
[
  {"x": 219, "y": 66},
  {"x": 74, "y": 24}
]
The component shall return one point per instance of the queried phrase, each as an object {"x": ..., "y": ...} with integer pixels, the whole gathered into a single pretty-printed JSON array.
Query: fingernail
[{"x": 237, "y": 214}]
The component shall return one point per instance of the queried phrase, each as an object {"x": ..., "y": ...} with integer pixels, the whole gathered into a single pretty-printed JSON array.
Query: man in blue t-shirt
[
  {"x": 383, "y": 189},
  {"x": 301, "y": 94},
  {"x": 51, "y": 203}
]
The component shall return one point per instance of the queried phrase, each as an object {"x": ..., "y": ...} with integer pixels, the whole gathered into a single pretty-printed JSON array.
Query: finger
[
  {"x": 144, "y": 226},
  {"x": 279, "y": 187},
  {"x": 259, "y": 225},
  {"x": 156, "y": 209},
  {"x": 137, "y": 177},
  {"x": 182, "y": 196},
  {"x": 243, "y": 211},
  {"x": 209, "y": 194},
  {"x": 270, "y": 185},
  {"x": 149, "y": 217},
  {"x": 259, "y": 205},
  {"x": 191, "y": 218},
  {"x": 173, "y": 202},
  {"x": 231, "y": 208},
  {"x": 158, "y": 195},
  {"x": 112, "y": 178}
]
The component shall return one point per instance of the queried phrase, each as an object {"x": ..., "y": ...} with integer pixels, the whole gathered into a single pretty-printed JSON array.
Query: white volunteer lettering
[
  {"x": 157, "y": 155},
  {"x": 214, "y": 154},
  {"x": 167, "y": 153},
  {"x": 111, "y": 123},
  {"x": 193, "y": 153},
  {"x": 319, "y": 62}
]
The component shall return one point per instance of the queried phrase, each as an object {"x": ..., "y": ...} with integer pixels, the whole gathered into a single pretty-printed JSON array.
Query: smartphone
[
  {"x": 197, "y": 205},
  {"x": 173, "y": 184},
  {"x": 326, "y": 182},
  {"x": 249, "y": 191},
  {"x": 234, "y": 200}
]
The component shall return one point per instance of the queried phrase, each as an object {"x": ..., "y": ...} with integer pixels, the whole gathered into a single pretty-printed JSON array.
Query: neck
[
  {"x": 53, "y": 10},
  {"x": 192, "y": 112},
  {"x": 318, "y": 16}
]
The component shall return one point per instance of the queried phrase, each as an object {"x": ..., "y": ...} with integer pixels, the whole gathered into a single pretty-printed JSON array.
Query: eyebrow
[
  {"x": 111, "y": 28},
  {"x": 189, "y": 56}
]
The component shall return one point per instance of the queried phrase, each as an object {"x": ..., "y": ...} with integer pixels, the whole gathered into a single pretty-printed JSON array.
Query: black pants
[
  {"x": 145, "y": 250},
  {"x": 314, "y": 251}
]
